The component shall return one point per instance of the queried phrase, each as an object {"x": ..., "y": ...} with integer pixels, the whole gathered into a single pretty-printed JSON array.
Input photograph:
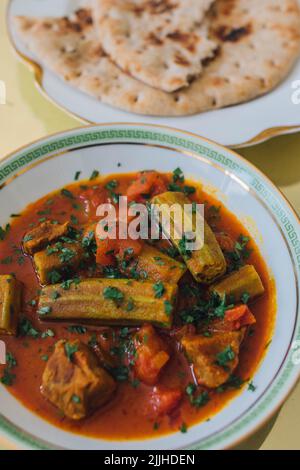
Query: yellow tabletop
[{"x": 29, "y": 115}]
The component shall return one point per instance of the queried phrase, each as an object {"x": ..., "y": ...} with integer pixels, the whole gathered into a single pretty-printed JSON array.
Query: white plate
[
  {"x": 51, "y": 163},
  {"x": 252, "y": 122}
]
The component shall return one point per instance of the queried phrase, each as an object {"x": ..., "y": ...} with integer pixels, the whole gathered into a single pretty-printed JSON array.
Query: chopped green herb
[
  {"x": 44, "y": 310},
  {"x": 183, "y": 428},
  {"x": 113, "y": 293},
  {"x": 10, "y": 360},
  {"x": 186, "y": 253},
  {"x": 76, "y": 399},
  {"x": 27, "y": 238},
  {"x": 78, "y": 329},
  {"x": 130, "y": 305},
  {"x": 251, "y": 387},
  {"x": 4, "y": 231},
  {"x": 54, "y": 277},
  {"x": 178, "y": 175},
  {"x": 77, "y": 174},
  {"x": 225, "y": 356},
  {"x": 159, "y": 289},
  {"x": 7, "y": 378},
  {"x": 245, "y": 298},
  {"x": 168, "y": 307},
  {"x": 25, "y": 328},
  {"x": 67, "y": 193},
  {"x": 74, "y": 219},
  {"x": 94, "y": 175},
  {"x": 48, "y": 334},
  {"x": 70, "y": 349},
  {"x": 55, "y": 295}
]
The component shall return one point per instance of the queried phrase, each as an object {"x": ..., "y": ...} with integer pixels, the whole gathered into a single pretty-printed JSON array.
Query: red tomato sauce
[{"x": 128, "y": 415}]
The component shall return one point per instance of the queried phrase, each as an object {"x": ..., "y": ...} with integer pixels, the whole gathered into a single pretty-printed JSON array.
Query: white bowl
[{"x": 48, "y": 164}]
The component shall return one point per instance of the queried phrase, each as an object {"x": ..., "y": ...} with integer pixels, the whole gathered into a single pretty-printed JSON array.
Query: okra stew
[{"x": 130, "y": 338}]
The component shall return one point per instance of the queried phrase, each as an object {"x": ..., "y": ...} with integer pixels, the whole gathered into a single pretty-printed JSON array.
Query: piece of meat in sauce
[
  {"x": 213, "y": 358},
  {"x": 74, "y": 382}
]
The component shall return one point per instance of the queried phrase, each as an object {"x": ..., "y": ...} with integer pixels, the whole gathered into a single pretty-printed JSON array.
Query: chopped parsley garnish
[
  {"x": 196, "y": 400},
  {"x": 186, "y": 253},
  {"x": 78, "y": 329},
  {"x": 44, "y": 310},
  {"x": 234, "y": 382},
  {"x": 48, "y": 334},
  {"x": 27, "y": 238},
  {"x": 70, "y": 349},
  {"x": 168, "y": 307},
  {"x": 111, "y": 185},
  {"x": 77, "y": 174},
  {"x": 65, "y": 192},
  {"x": 74, "y": 219},
  {"x": 245, "y": 297},
  {"x": 159, "y": 289},
  {"x": 4, "y": 231},
  {"x": 178, "y": 175},
  {"x": 183, "y": 428},
  {"x": 76, "y": 399},
  {"x": 94, "y": 175},
  {"x": 67, "y": 284},
  {"x": 10, "y": 360},
  {"x": 114, "y": 294},
  {"x": 55, "y": 295},
  {"x": 240, "y": 254},
  {"x": 130, "y": 305},
  {"x": 54, "y": 277},
  {"x": 225, "y": 356},
  {"x": 25, "y": 328},
  {"x": 251, "y": 387},
  {"x": 7, "y": 377}
]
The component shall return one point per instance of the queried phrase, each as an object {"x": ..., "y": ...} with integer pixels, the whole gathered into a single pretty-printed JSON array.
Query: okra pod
[
  {"x": 206, "y": 263},
  {"x": 43, "y": 235},
  {"x": 58, "y": 260},
  {"x": 244, "y": 281},
  {"x": 10, "y": 304},
  {"x": 110, "y": 301}
]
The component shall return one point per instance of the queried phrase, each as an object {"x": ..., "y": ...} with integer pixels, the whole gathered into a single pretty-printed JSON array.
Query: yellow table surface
[{"x": 28, "y": 115}]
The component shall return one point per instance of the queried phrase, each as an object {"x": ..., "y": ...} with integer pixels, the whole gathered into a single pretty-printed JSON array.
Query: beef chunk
[
  {"x": 213, "y": 358},
  {"x": 74, "y": 382}
]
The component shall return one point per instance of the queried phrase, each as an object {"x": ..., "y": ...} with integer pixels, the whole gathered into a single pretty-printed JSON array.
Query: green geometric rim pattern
[{"x": 172, "y": 138}]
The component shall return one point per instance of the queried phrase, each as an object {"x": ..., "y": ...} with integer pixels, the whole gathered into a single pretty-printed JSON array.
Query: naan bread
[
  {"x": 160, "y": 42},
  {"x": 259, "y": 42}
]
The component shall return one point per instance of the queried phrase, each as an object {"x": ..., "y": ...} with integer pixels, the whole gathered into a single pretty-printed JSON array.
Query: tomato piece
[
  {"x": 241, "y": 314},
  {"x": 234, "y": 319},
  {"x": 105, "y": 251},
  {"x": 91, "y": 199},
  {"x": 148, "y": 182},
  {"x": 225, "y": 241},
  {"x": 151, "y": 355},
  {"x": 128, "y": 249},
  {"x": 165, "y": 400}
]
